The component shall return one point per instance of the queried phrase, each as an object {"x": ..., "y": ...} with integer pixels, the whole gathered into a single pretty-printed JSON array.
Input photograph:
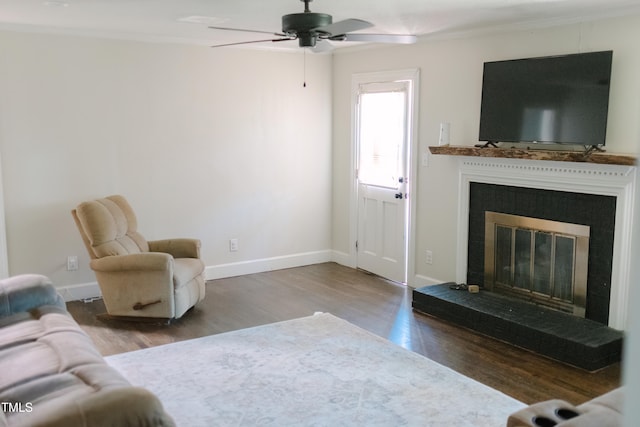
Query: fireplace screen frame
[{"x": 576, "y": 302}]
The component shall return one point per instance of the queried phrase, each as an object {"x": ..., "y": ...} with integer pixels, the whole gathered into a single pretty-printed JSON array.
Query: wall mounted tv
[{"x": 556, "y": 99}]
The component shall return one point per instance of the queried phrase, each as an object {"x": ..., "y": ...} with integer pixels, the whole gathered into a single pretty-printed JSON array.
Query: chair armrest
[
  {"x": 145, "y": 261},
  {"x": 25, "y": 292},
  {"x": 178, "y": 248}
]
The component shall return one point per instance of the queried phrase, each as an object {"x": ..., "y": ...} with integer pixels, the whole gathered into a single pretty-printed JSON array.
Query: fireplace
[
  {"x": 536, "y": 260},
  {"x": 586, "y": 217},
  {"x": 600, "y": 197},
  {"x": 595, "y": 212}
]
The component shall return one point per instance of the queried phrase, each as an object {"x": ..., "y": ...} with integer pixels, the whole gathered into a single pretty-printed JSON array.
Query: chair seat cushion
[{"x": 185, "y": 270}]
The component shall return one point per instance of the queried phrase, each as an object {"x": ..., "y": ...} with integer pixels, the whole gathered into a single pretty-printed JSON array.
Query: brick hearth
[{"x": 573, "y": 340}]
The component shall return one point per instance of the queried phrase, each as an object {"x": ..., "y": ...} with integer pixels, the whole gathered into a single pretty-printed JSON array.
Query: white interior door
[{"x": 382, "y": 130}]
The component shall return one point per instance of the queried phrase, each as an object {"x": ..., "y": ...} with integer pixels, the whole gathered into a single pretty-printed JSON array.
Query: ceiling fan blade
[
  {"x": 345, "y": 26},
  {"x": 377, "y": 38},
  {"x": 254, "y": 41},
  {"x": 248, "y": 31}
]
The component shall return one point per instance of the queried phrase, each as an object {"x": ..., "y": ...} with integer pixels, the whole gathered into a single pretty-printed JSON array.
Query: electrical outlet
[
  {"x": 429, "y": 258},
  {"x": 233, "y": 245},
  {"x": 72, "y": 263}
]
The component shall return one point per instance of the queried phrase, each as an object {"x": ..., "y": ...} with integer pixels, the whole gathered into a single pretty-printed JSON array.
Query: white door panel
[
  {"x": 384, "y": 106},
  {"x": 381, "y": 235}
]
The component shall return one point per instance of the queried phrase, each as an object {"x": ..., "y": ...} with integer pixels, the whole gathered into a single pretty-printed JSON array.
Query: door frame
[
  {"x": 413, "y": 75},
  {"x": 4, "y": 259}
]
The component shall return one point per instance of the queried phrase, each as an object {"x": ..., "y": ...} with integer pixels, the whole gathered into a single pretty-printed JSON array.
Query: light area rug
[{"x": 314, "y": 371}]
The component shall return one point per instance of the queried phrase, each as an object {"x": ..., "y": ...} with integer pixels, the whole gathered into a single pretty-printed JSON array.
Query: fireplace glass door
[{"x": 538, "y": 260}]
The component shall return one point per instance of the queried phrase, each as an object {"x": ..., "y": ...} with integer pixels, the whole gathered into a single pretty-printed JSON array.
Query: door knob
[{"x": 398, "y": 195}]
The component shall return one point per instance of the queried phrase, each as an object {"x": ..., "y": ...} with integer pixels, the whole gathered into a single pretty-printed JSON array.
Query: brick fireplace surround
[
  {"x": 594, "y": 211},
  {"x": 587, "y": 343}
]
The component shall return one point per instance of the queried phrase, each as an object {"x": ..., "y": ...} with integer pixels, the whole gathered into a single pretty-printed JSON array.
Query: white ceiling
[{"x": 164, "y": 20}]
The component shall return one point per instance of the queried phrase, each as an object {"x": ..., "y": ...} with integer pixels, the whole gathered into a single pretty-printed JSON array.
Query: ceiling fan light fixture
[{"x": 307, "y": 39}]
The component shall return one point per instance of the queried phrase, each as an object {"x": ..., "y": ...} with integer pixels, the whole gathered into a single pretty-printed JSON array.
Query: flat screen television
[{"x": 555, "y": 99}]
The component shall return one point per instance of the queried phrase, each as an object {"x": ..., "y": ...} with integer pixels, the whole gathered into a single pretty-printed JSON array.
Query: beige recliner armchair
[{"x": 138, "y": 278}]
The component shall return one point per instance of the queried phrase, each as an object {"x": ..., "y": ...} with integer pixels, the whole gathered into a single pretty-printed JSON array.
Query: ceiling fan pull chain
[{"x": 304, "y": 68}]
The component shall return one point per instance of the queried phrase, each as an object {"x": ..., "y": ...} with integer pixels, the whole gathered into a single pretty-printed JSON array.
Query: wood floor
[{"x": 368, "y": 301}]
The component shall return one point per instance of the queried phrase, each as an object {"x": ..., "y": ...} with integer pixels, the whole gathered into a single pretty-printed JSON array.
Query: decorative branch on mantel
[{"x": 553, "y": 155}]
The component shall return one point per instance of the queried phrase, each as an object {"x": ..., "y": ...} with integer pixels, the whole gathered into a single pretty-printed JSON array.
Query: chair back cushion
[{"x": 110, "y": 227}]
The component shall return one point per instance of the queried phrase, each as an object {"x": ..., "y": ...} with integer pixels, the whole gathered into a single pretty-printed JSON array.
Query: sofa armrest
[
  {"x": 145, "y": 261},
  {"x": 603, "y": 411},
  {"x": 612, "y": 400},
  {"x": 26, "y": 292},
  {"x": 178, "y": 248},
  {"x": 120, "y": 406}
]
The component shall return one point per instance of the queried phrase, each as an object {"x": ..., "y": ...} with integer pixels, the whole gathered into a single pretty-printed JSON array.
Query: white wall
[
  {"x": 451, "y": 82},
  {"x": 212, "y": 144}
]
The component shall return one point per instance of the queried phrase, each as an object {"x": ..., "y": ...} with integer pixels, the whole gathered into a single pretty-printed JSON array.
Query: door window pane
[{"x": 382, "y": 132}]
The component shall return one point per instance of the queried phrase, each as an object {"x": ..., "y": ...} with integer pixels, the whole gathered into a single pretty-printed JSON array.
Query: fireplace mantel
[
  {"x": 553, "y": 155},
  {"x": 578, "y": 177}
]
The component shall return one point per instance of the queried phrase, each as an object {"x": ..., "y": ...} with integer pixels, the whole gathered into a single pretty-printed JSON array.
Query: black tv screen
[{"x": 556, "y": 99}]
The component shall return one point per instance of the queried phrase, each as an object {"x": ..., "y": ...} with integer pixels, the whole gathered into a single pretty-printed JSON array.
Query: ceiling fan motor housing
[{"x": 305, "y": 26}]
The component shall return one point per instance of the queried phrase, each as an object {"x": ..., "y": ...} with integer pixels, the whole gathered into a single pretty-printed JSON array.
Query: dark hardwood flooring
[{"x": 366, "y": 300}]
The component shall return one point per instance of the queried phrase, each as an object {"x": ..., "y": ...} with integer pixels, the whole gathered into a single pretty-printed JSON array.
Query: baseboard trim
[
  {"x": 92, "y": 290},
  {"x": 267, "y": 264},
  {"x": 343, "y": 258},
  {"x": 80, "y": 291},
  {"x": 420, "y": 281}
]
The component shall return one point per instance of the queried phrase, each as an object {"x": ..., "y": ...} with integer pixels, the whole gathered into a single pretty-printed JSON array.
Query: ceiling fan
[{"x": 314, "y": 30}]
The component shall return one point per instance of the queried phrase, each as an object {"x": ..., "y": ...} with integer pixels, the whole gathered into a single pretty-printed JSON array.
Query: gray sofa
[
  {"x": 603, "y": 411},
  {"x": 51, "y": 374}
]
